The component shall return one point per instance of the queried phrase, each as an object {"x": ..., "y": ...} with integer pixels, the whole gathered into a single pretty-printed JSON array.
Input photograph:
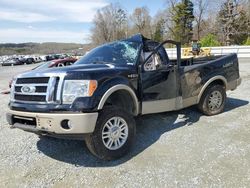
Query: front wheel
[
  {"x": 213, "y": 100},
  {"x": 114, "y": 134}
]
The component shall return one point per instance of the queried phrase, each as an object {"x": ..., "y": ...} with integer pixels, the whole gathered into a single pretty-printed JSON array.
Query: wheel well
[
  {"x": 123, "y": 100},
  {"x": 217, "y": 81}
]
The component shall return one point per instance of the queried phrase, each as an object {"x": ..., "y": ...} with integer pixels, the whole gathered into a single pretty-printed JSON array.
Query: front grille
[
  {"x": 38, "y": 98},
  {"x": 36, "y": 89},
  {"x": 39, "y": 89},
  {"x": 37, "y": 80}
]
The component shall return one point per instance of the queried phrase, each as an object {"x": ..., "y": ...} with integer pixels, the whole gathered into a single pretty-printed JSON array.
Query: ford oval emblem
[{"x": 28, "y": 89}]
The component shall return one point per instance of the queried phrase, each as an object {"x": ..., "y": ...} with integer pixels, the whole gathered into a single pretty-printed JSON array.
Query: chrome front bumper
[{"x": 80, "y": 123}]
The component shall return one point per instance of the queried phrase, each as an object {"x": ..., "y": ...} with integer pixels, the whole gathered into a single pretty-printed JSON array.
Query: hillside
[{"x": 42, "y": 48}]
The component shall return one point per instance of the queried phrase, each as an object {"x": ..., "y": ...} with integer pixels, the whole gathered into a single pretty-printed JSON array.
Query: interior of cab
[
  {"x": 157, "y": 60},
  {"x": 153, "y": 63}
]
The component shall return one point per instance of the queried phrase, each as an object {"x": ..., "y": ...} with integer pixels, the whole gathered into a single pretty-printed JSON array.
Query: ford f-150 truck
[{"x": 98, "y": 97}]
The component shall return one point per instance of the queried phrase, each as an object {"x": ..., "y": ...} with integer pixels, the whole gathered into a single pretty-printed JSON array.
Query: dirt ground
[{"x": 176, "y": 149}]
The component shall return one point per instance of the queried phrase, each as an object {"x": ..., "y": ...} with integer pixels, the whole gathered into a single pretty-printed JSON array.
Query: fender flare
[
  {"x": 221, "y": 78},
  {"x": 117, "y": 88}
]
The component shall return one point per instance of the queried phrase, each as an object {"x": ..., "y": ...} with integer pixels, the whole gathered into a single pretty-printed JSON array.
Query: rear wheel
[
  {"x": 114, "y": 134},
  {"x": 212, "y": 101}
]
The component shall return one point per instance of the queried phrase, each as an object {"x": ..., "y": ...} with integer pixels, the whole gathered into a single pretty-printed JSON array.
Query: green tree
[
  {"x": 247, "y": 41},
  {"x": 183, "y": 18},
  {"x": 241, "y": 28},
  {"x": 234, "y": 21},
  {"x": 159, "y": 31},
  {"x": 209, "y": 41}
]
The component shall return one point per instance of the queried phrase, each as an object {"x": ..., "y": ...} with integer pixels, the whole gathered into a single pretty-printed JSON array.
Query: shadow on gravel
[
  {"x": 149, "y": 130},
  {"x": 233, "y": 103}
]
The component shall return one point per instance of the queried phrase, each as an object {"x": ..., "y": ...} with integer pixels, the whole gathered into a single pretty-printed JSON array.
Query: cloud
[
  {"x": 19, "y": 35},
  {"x": 30, "y": 27},
  {"x": 49, "y": 10},
  {"x": 21, "y": 16},
  {"x": 24, "y": 17}
]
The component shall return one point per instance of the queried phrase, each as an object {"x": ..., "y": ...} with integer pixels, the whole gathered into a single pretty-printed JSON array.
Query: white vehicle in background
[
  {"x": 4, "y": 58},
  {"x": 43, "y": 57},
  {"x": 37, "y": 59}
]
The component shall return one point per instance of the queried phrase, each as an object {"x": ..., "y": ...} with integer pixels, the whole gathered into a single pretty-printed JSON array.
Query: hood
[{"x": 74, "y": 69}]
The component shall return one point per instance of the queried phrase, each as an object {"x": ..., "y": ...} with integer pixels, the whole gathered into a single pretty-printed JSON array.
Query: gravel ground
[{"x": 176, "y": 149}]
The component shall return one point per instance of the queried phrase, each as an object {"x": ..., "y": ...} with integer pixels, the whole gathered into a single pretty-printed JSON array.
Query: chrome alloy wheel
[
  {"x": 215, "y": 100},
  {"x": 115, "y": 133}
]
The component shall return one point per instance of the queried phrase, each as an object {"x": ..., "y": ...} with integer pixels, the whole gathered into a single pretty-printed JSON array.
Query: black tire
[
  {"x": 205, "y": 104},
  {"x": 95, "y": 142}
]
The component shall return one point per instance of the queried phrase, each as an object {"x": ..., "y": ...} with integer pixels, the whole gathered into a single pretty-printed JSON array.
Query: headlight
[{"x": 73, "y": 89}]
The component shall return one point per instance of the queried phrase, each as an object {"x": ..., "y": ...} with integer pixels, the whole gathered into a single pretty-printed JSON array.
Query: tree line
[
  {"x": 211, "y": 22},
  {"x": 43, "y": 48}
]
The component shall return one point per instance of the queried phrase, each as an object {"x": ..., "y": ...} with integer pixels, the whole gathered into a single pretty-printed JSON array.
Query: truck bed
[
  {"x": 189, "y": 61},
  {"x": 206, "y": 68}
]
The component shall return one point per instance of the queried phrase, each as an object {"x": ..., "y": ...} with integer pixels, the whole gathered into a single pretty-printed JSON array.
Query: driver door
[{"x": 159, "y": 85}]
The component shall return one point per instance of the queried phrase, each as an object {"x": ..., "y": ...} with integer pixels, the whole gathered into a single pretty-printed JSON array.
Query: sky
[{"x": 57, "y": 20}]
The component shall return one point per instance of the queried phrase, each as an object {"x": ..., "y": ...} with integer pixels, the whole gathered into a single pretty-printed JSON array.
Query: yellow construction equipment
[{"x": 196, "y": 51}]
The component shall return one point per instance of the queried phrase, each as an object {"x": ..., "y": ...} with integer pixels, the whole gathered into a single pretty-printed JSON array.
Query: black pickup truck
[{"x": 97, "y": 98}]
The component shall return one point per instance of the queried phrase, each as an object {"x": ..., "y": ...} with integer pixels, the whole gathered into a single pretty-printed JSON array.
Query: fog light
[
  {"x": 69, "y": 124},
  {"x": 66, "y": 124}
]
